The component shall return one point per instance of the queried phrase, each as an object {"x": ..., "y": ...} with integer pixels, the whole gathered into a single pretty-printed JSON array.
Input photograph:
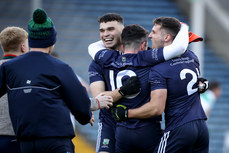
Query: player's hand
[
  {"x": 104, "y": 101},
  {"x": 131, "y": 86},
  {"x": 120, "y": 113},
  {"x": 203, "y": 85},
  {"x": 92, "y": 120}
]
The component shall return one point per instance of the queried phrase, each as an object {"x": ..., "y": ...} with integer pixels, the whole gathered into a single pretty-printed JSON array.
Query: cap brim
[{"x": 194, "y": 37}]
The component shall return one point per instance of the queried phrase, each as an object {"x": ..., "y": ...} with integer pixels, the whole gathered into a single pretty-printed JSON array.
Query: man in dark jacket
[{"x": 42, "y": 91}]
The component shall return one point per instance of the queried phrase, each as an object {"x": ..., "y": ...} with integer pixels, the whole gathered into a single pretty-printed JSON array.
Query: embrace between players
[
  {"x": 144, "y": 84},
  {"x": 141, "y": 82}
]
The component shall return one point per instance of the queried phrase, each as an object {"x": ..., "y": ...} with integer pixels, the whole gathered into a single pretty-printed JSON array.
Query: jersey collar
[{"x": 9, "y": 56}]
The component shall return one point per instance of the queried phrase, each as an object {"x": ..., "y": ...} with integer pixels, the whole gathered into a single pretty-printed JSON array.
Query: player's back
[
  {"x": 35, "y": 80},
  {"x": 116, "y": 72},
  {"x": 179, "y": 77}
]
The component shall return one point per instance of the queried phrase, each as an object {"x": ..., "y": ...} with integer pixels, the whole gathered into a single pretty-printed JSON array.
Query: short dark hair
[
  {"x": 133, "y": 34},
  {"x": 170, "y": 24},
  {"x": 213, "y": 85},
  {"x": 111, "y": 17}
]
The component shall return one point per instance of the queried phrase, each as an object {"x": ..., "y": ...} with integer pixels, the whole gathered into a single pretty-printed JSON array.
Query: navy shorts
[
  {"x": 106, "y": 138},
  {"x": 138, "y": 140},
  {"x": 48, "y": 145},
  {"x": 9, "y": 144},
  {"x": 192, "y": 137}
]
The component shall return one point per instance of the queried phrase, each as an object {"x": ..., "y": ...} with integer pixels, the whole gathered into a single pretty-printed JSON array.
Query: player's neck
[
  {"x": 167, "y": 43},
  {"x": 119, "y": 48},
  {"x": 16, "y": 53},
  {"x": 131, "y": 51},
  {"x": 44, "y": 50}
]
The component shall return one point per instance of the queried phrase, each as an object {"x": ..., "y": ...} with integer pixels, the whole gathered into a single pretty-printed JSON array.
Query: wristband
[
  {"x": 98, "y": 103},
  {"x": 121, "y": 92}
]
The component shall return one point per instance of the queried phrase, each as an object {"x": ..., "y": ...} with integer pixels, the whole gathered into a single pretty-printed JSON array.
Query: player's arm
[
  {"x": 131, "y": 86},
  {"x": 97, "y": 82},
  {"x": 101, "y": 101},
  {"x": 158, "y": 97},
  {"x": 95, "y": 47},
  {"x": 156, "y": 56},
  {"x": 179, "y": 45},
  {"x": 75, "y": 95},
  {"x": 114, "y": 94},
  {"x": 154, "y": 107},
  {"x": 98, "y": 87}
]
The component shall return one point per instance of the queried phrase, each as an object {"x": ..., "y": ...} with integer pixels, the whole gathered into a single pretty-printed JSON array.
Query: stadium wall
[{"x": 216, "y": 36}]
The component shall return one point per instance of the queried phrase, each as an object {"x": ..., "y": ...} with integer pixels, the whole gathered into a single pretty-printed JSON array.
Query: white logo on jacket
[{"x": 28, "y": 81}]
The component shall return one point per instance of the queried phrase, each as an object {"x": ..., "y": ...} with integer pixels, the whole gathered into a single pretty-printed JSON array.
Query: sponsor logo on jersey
[
  {"x": 106, "y": 141},
  {"x": 123, "y": 59}
]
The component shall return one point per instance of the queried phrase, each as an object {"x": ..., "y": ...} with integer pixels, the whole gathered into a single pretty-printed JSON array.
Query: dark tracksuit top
[{"x": 42, "y": 91}]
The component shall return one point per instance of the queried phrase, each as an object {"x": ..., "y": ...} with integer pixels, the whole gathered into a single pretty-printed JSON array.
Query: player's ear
[
  {"x": 144, "y": 45},
  {"x": 122, "y": 46},
  {"x": 167, "y": 37},
  {"x": 23, "y": 48}
]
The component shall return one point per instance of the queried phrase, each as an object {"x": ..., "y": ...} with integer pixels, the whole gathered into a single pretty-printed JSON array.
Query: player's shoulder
[
  {"x": 105, "y": 56},
  {"x": 3, "y": 61},
  {"x": 191, "y": 54},
  {"x": 94, "y": 66},
  {"x": 106, "y": 53},
  {"x": 161, "y": 68},
  {"x": 151, "y": 52},
  {"x": 8, "y": 62}
]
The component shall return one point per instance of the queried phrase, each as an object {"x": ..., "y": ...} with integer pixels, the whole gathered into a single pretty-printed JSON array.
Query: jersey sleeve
[
  {"x": 150, "y": 57},
  {"x": 156, "y": 56},
  {"x": 156, "y": 80},
  {"x": 105, "y": 57},
  {"x": 95, "y": 47},
  {"x": 95, "y": 72},
  {"x": 75, "y": 95},
  {"x": 179, "y": 45}
]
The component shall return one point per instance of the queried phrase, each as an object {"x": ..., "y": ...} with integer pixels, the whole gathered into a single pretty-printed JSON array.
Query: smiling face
[{"x": 110, "y": 34}]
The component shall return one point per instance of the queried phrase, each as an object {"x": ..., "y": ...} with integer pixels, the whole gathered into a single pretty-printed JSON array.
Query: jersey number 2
[{"x": 191, "y": 83}]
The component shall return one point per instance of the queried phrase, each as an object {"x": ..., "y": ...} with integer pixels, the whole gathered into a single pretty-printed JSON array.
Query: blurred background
[{"x": 77, "y": 27}]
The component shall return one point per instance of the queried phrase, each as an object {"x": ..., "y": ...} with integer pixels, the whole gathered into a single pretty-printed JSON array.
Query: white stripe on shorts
[
  {"x": 99, "y": 136},
  {"x": 163, "y": 143}
]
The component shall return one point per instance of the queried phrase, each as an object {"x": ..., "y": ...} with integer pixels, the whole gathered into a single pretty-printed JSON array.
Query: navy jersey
[
  {"x": 117, "y": 68},
  {"x": 96, "y": 73},
  {"x": 179, "y": 77}
]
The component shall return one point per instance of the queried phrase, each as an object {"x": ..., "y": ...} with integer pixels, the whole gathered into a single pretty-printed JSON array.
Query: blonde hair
[{"x": 12, "y": 37}]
